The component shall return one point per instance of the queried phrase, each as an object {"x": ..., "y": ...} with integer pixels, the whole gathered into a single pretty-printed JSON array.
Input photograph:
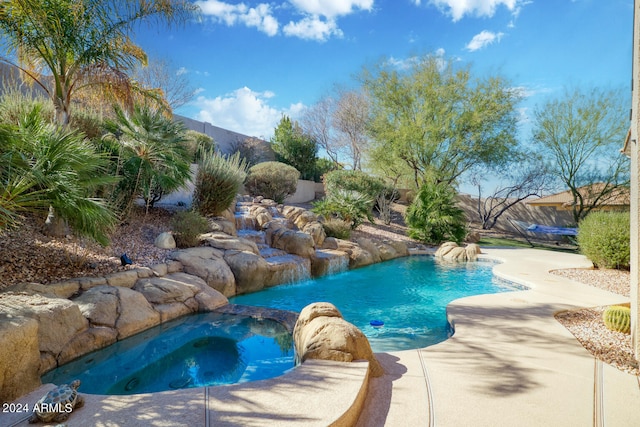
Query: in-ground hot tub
[{"x": 193, "y": 351}]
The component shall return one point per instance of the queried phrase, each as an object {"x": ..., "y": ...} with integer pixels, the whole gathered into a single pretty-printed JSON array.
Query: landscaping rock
[
  {"x": 225, "y": 242},
  {"x": 322, "y": 333},
  {"x": 327, "y": 261},
  {"x": 85, "y": 342},
  {"x": 251, "y": 271},
  {"x": 223, "y": 225},
  {"x": 165, "y": 240},
  {"x": 208, "y": 264},
  {"x": 136, "y": 314},
  {"x": 99, "y": 305},
  {"x": 125, "y": 279},
  {"x": 19, "y": 356},
  {"x": 293, "y": 242},
  {"x": 59, "y": 319}
]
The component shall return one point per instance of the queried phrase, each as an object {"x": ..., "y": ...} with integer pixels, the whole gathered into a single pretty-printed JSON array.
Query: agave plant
[
  {"x": 151, "y": 154},
  {"x": 45, "y": 167}
]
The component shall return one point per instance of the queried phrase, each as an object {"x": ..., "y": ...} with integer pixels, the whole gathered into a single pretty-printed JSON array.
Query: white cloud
[
  {"x": 259, "y": 17},
  {"x": 457, "y": 9},
  {"x": 181, "y": 71},
  {"x": 331, "y": 8},
  {"x": 483, "y": 39},
  {"x": 244, "y": 111},
  {"x": 313, "y": 28}
]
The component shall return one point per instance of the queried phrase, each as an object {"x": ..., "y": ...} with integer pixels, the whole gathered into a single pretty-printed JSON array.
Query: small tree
[
  {"x": 580, "y": 132},
  {"x": 433, "y": 217},
  {"x": 293, "y": 147},
  {"x": 526, "y": 180},
  {"x": 152, "y": 158}
]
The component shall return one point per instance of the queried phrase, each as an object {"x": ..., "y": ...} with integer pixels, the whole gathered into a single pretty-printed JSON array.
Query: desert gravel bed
[{"x": 587, "y": 326}]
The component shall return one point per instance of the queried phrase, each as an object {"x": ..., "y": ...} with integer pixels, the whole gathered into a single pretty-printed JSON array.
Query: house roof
[{"x": 617, "y": 197}]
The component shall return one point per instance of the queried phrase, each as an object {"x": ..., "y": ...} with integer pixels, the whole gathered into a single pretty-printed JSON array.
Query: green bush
[
  {"x": 187, "y": 227},
  {"x": 337, "y": 228},
  {"x": 272, "y": 180},
  {"x": 197, "y": 145},
  {"x": 433, "y": 216},
  {"x": 218, "y": 181},
  {"x": 354, "y": 180},
  {"x": 604, "y": 238},
  {"x": 349, "y": 206}
]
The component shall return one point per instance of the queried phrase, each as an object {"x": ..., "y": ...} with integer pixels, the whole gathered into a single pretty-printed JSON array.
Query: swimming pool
[
  {"x": 408, "y": 294},
  {"x": 198, "y": 350}
]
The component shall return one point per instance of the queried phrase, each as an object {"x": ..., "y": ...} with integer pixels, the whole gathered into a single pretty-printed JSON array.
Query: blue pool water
[
  {"x": 193, "y": 351},
  {"x": 409, "y": 295}
]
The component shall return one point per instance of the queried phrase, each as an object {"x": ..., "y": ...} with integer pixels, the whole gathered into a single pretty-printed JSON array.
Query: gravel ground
[{"x": 27, "y": 255}]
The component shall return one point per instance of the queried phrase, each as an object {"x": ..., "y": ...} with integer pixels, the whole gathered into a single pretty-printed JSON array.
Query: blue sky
[{"x": 253, "y": 61}]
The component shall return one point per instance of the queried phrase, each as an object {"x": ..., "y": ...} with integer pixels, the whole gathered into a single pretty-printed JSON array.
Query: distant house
[{"x": 618, "y": 199}]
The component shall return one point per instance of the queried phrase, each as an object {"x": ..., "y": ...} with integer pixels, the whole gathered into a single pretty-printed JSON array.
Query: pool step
[{"x": 316, "y": 393}]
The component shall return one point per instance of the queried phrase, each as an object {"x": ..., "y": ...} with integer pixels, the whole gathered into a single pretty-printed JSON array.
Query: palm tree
[
  {"x": 152, "y": 155},
  {"x": 47, "y": 167},
  {"x": 66, "y": 46}
]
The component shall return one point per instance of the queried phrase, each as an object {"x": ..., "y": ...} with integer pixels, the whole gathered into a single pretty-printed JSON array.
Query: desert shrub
[
  {"x": 433, "y": 216},
  {"x": 187, "y": 227},
  {"x": 353, "y": 180},
  {"x": 218, "y": 181},
  {"x": 273, "y": 180},
  {"x": 337, "y": 228},
  {"x": 604, "y": 238},
  {"x": 349, "y": 206}
]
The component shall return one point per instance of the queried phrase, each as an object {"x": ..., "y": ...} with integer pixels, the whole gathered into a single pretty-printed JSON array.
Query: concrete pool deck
[{"x": 509, "y": 363}]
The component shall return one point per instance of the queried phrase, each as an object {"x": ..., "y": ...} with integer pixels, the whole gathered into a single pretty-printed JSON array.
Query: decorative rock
[
  {"x": 327, "y": 261},
  {"x": 124, "y": 279},
  {"x": 358, "y": 257},
  {"x": 19, "y": 356},
  {"x": 322, "y": 333},
  {"x": 316, "y": 231},
  {"x": 444, "y": 248},
  {"x": 59, "y": 319},
  {"x": 251, "y": 271},
  {"x": 87, "y": 341},
  {"x": 165, "y": 240},
  {"x": 472, "y": 250},
  {"x": 208, "y": 264},
  {"x": 136, "y": 314},
  {"x": 330, "y": 243},
  {"x": 100, "y": 305},
  {"x": 159, "y": 269},
  {"x": 90, "y": 282},
  {"x": 169, "y": 289},
  {"x": 293, "y": 242},
  {"x": 223, "y": 225},
  {"x": 223, "y": 241}
]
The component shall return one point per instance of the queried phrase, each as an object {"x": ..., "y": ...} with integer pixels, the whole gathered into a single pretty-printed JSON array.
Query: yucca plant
[
  {"x": 152, "y": 159},
  {"x": 218, "y": 181}
]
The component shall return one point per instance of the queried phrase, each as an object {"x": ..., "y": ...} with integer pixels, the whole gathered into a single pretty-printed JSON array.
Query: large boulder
[
  {"x": 450, "y": 251},
  {"x": 59, "y": 319},
  {"x": 223, "y": 225},
  {"x": 136, "y": 314},
  {"x": 322, "y": 333},
  {"x": 178, "y": 294},
  {"x": 328, "y": 261},
  {"x": 100, "y": 305},
  {"x": 165, "y": 240},
  {"x": 90, "y": 340},
  {"x": 316, "y": 231},
  {"x": 358, "y": 257},
  {"x": 19, "y": 356},
  {"x": 294, "y": 242},
  {"x": 226, "y": 242},
  {"x": 208, "y": 264},
  {"x": 250, "y": 270}
]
